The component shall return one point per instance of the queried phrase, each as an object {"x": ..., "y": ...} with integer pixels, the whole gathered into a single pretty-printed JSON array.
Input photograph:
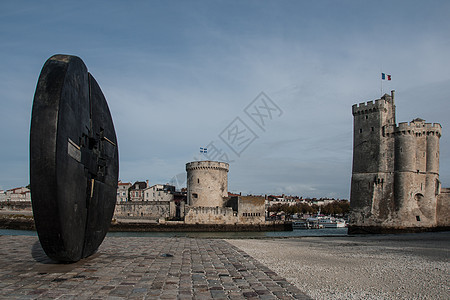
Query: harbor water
[{"x": 212, "y": 234}]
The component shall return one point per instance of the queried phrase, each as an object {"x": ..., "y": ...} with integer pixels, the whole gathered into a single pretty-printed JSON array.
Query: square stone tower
[{"x": 395, "y": 177}]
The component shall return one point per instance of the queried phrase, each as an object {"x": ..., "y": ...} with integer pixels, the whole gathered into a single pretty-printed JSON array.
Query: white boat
[
  {"x": 301, "y": 224},
  {"x": 332, "y": 223},
  {"x": 310, "y": 223},
  {"x": 319, "y": 221}
]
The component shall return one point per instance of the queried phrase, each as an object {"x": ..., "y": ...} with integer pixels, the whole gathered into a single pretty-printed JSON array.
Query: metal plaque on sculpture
[{"x": 74, "y": 161}]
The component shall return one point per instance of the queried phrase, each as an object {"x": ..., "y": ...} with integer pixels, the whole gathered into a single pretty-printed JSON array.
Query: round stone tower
[{"x": 207, "y": 183}]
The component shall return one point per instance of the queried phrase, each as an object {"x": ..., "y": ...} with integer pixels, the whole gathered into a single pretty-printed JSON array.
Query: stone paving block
[{"x": 140, "y": 268}]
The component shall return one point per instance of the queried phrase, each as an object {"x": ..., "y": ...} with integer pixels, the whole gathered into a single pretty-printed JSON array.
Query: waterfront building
[
  {"x": 159, "y": 192},
  {"x": 283, "y": 199},
  {"x": 18, "y": 194},
  {"x": 137, "y": 191},
  {"x": 122, "y": 191}
]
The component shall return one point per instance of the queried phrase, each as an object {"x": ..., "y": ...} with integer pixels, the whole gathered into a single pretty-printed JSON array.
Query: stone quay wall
[
  {"x": 210, "y": 215},
  {"x": 15, "y": 206},
  {"x": 142, "y": 210},
  {"x": 443, "y": 209}
]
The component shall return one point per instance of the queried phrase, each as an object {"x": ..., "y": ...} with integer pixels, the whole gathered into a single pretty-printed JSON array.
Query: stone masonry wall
[
  {"x": 443, "y": 208},
  {"x": 210, "y": 215},
  {"x": 143, "y": 210},
  {"x": 251, "y": 210},
  {"x": 15, "y": 206}
]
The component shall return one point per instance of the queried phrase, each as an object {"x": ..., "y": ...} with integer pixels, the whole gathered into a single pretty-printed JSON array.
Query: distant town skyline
[{"x": 267, "y": 85}]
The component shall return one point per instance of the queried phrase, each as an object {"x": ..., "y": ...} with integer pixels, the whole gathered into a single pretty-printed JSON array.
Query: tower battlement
[
  {"x": 203, "y": 165},
  {"x": 419, "y": 127},
  {"x": 371, "y": 106}
]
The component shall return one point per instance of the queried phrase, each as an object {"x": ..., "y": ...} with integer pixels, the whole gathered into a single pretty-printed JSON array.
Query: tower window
[
  {"x": 360, "y": 130},
  {"x": 437, "y": 188},
  {"x": 373, "y": 129},
  {"x": 198, "y": 180},
  {"x": 418, "y": 218},
  {"x": 367, "y": 117},
  {"x": 195, "y": 195}
]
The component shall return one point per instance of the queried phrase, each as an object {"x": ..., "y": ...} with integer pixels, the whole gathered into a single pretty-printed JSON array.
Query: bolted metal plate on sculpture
[{"x": 74, "y": 161}]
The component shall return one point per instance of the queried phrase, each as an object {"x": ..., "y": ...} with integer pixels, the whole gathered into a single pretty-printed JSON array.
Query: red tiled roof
[{"x": 232, "y": 194}]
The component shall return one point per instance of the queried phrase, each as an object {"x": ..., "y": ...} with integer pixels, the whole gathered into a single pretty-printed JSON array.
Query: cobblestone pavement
[{"x": 140, "y": 268}]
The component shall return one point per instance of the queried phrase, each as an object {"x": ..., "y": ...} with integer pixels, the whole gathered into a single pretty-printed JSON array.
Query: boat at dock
[
  {"x": 306, "y": 224},
  {"x": 332, "y": 223},
  {"x": 318, "y": 223}
]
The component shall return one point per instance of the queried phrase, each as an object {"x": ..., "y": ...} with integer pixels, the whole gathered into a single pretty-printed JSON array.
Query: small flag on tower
[
  {"x": 203, "y": 150},
  {"x": 385, "y": 76}
]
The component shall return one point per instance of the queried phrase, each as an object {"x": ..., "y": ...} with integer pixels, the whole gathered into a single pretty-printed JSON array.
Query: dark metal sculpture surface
[{"x": 73, "y": 160}]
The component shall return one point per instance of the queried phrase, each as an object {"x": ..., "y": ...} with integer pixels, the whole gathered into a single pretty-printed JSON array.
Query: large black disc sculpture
[{"x": 74, "y": 161}]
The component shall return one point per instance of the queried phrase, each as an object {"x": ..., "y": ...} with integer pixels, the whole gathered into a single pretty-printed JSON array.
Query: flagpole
[
  {"x": 381, "y": 89},
  {"x": 381, "y": 81}
]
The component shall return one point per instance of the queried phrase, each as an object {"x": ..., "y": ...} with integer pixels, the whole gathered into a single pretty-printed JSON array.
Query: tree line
[{"x": 335, "y": 208}]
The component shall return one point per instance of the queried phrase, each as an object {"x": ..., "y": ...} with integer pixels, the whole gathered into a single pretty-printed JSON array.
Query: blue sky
[{"x": 177, "y": 73}]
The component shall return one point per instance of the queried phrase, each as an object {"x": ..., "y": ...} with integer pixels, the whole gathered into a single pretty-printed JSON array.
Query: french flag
[{"x": 385, "y": 76}]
